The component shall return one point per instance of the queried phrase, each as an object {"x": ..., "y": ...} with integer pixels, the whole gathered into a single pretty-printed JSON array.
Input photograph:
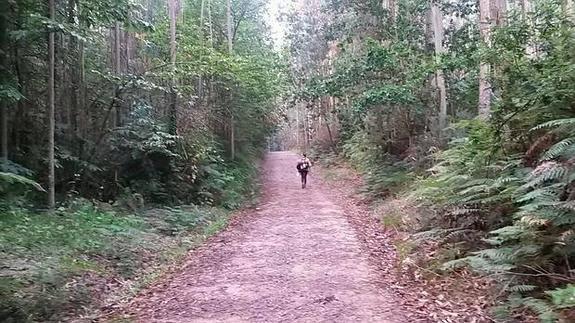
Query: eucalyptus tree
[{"x": 51, "y": 108}]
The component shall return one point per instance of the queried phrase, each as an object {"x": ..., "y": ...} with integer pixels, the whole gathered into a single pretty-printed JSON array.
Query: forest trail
[{"x": 296, "y": 259}]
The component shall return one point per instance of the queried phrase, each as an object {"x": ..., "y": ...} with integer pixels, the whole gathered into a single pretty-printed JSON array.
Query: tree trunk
[
  {"x": 73, "y": 74},
  {"x": 297, "y": 127},
  {"x": 484, "y": 107},
  {"x": 51, "y": 108},
  {"x": 210, "y": 22},
  {"x": 200, "y": 90},
  {"x": 3, "y": 73},
  {"x": 173, "y": 13},
  {"x": 230, "y": 50},
  {"x": 83, "y": 113},
  {"x": 438, "y": 34},
  {"x": 501, "y": 12},
  {"x": 117, "y": 70},
  {"x": 391, "y": 7}
]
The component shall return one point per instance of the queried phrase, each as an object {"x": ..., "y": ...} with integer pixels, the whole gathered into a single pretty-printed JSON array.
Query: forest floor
[{"x": 296, "y": 257}]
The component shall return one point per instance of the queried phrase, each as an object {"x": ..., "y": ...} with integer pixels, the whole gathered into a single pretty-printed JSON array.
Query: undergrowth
[{"x": 56, "y": 264}]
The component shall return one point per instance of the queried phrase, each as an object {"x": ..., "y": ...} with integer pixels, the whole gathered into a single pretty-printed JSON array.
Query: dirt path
[{"x": 297, "y": 259}]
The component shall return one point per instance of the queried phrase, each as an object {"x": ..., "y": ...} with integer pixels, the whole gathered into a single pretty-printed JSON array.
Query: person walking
[{"x": 303, "y": 166}]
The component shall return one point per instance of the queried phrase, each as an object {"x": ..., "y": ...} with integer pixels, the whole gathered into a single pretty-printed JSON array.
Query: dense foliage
[
  {"x": 502, "y": 184},
  {"x": 154, "y": 105},
  {"x": 117, "y": 131}
]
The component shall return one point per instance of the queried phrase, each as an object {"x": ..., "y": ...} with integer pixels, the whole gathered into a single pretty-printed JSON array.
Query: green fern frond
[
  {"x": 506, "y": 234},
  {"x": 570, "y": 206},
  {"x": 482, "y": 264},
  {"x": 458, "y": 235},
  {"x": 499, "y": 255},
  {"x": 544, "y": 193},
  {"x": 527, "y": 251},
  {"x": 477, "y": 182},
  {"x": 505, "y": 180},
  {"x": 464, "y": 211},
  {"x": 482, "y": 188},
  {"x": 543, "y": 309},
  {"x": 477, "y": 198},
  {"x": 546, "y": 172},
  {"x": 559, "y": 149},
  {"x": 535, "y": 206},
  {"x": 533, "y": 221},
  {"x": 493, "y": 199},
  {"x": 10, "y": 178},
  {"x": 555, "y": 123},
  {"x": 560, "y": 218},
  {"x": 433, "y": 234},
  {"x": 521, "y": 288},
  {"x": 455, "y": 264}
]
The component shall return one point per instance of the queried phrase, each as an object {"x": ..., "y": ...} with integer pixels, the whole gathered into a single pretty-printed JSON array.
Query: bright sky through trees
[{"x": 273, "y": 18}]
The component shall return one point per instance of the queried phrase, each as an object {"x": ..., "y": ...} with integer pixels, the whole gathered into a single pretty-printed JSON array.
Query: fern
[
  {"x": 559, "y": 149},
  {"x": 465, "y": 211},
  {"x": 11, "y": 179},
  {"x": 555, "y": 123},
  {"x": 458, "y": 235},
  {"x": 533, "y": 221},
  {"x": 499, "y": 255},
  {"x": 522, "y": 288},
  {"x": 546, "y": 193},
  {"x": 546, "y": 172},
  {"x": 541, "y": 308}
]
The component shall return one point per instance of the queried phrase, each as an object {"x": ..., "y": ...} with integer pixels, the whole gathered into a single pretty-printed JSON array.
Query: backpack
[{"x": 303, "y": 165}]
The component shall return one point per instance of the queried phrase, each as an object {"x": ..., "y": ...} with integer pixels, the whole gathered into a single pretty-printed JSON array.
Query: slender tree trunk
[
  {"x": 501, "y": 12},
  {"x": 297, "y": 127},
  {"x": 83, "y": 113},
  {"x": 127, "y": 51},
  {"x": 173, "y": 13},
  {"x": 4, "y": 116},
  {"x": 117, "y": 70},
  {"x": 202, "y": 39},
  {"x": 73, "y": 74},
  {"x": 391, "y": 7},
  {"x": 51, "y": 108},
  {"x": 485, "y": 90},
  {"x": 330, "y": 135},
  {"x": 21, "y": 112},
  {"x": 437, "y": 24},
  {"x": 211, "y": 23},
  {"x": 230, "y": 50},
  {"x": 3, "y": 72}
]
